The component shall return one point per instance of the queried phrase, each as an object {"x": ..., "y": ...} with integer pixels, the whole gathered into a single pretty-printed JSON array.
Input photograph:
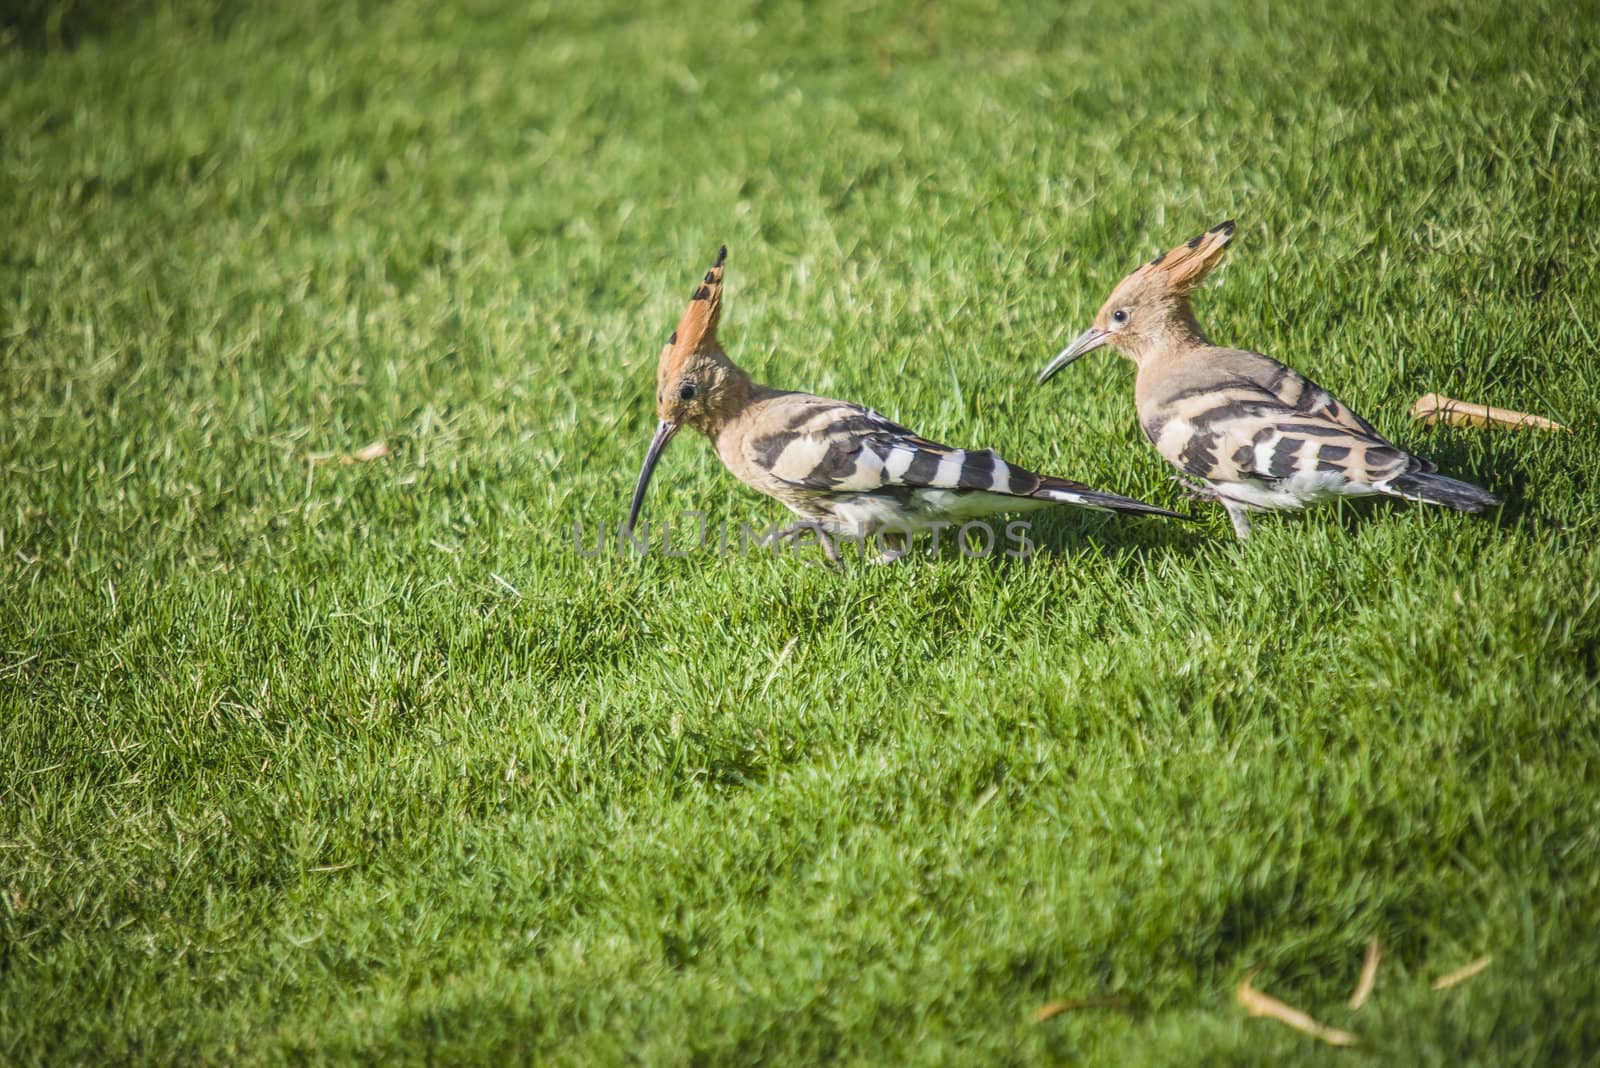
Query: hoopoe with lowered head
[
  {"x": 1245, "y": 430},
  {"x": 843, "y": 469}
]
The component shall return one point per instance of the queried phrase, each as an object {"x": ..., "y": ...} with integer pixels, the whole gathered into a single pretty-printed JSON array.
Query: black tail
[
  {"x": 1437, "y": 489},
  {"x": 1065, "y": 491}
]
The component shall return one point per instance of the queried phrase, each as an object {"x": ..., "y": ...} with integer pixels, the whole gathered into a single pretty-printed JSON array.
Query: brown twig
[
  {"x": 373, "y": 451},
  {"x": 1461, "y": 974},
  {"x": 1101, "y": 1001},
  {"x": 1369, "y": 976},
  {"x": 1258, "y": 1004}
]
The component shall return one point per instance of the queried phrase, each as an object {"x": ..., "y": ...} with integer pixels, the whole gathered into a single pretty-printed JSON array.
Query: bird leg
[
  {"x": 1199, "y": 491},
  {"x": 828, "y": 547},
  {"x": 1241, "y": 519},
  {"x": 807, "y": 526}
]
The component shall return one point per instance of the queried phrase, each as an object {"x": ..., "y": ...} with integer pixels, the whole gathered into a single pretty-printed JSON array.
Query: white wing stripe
[
  {"x": 800, "y": 457},
  {"x": 948, "y": 476},
  {"x": 1264, "y": 452},
  {"x": 1000, "y": 481}
]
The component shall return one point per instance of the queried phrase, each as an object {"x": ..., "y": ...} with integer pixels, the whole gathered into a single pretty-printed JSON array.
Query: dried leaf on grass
[
  {"x": 1461, "y": 974},
  {"x": 1369, "y": 976},
  {"x": 1433, "y": 408},
  {"x": 1258, "y": 1004}
]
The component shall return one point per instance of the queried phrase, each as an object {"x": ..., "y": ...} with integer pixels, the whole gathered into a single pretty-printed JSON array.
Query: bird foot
[
  {"x": 1196, "y": 491},
  {"x": 799, "y": 530},
  {"x": 895, "y": 547}
]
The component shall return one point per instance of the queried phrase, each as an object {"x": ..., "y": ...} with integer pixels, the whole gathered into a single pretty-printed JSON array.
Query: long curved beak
[
  {"x": 1085, "y": 342},
  {"x": 658, "y": 445}
]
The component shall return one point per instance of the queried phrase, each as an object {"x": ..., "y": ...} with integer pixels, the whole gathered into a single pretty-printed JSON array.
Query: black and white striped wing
[
  {"x": 835, "y": 448},
  {"x": 1242, "y": 431},
  {"x": 842, "y": 448},
  {"x": 1304, "y": 397}
]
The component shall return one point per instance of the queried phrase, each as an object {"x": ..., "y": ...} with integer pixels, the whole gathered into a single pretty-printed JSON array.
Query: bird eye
[
  {"x": 1119, "y": 316},
  {"x": 686, "y": 391}
]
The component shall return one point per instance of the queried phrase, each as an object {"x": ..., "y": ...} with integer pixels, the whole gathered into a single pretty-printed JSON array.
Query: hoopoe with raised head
[
  {"x": 1245, "y": 430},
  {"x": 843, "y": 469}
]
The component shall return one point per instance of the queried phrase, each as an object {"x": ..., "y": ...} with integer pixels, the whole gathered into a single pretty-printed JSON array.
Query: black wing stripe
[
  {"x": 1331, "y": 458},
  {"x": 1199, "y": 455},
  {"x": 1284, "y": 455},
  {"x": 767, "y": 448},
  {"x": 1235, "y": 408},
  {"x": 923, "y": 466},
  {"x": 977, "y": 470}
]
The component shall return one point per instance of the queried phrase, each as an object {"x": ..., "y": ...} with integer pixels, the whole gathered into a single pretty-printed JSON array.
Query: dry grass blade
[
  {"x": 1461, "y": 974},
  {"x": 1258, "y": 1004},
  {"x": 372, "y": 451},
  {"x": 1102, "y": 1001},
  {"x": 1369, "y": 976},
  {"x": 1433, "y": 408}
]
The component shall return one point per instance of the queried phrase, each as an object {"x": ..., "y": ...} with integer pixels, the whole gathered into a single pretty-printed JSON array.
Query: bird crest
[
  {"x": 697, "y": 330},
  {"x": 1184, "y": 267}
]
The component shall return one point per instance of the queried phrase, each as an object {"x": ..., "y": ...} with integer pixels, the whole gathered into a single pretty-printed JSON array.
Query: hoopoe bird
[
  {"x": 844, "y": 470},
  {"x": 1246, "y": 430}
]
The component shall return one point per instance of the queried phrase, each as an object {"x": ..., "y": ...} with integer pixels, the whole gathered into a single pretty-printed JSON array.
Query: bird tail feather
[{"x": 1065, "y": 491}]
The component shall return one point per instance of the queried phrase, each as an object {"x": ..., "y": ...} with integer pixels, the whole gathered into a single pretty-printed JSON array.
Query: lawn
[{"x": 316, "y": 749}]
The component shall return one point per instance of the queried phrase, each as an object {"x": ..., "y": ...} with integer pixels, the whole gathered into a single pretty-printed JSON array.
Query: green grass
[{"x": 307, "y": 761}]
